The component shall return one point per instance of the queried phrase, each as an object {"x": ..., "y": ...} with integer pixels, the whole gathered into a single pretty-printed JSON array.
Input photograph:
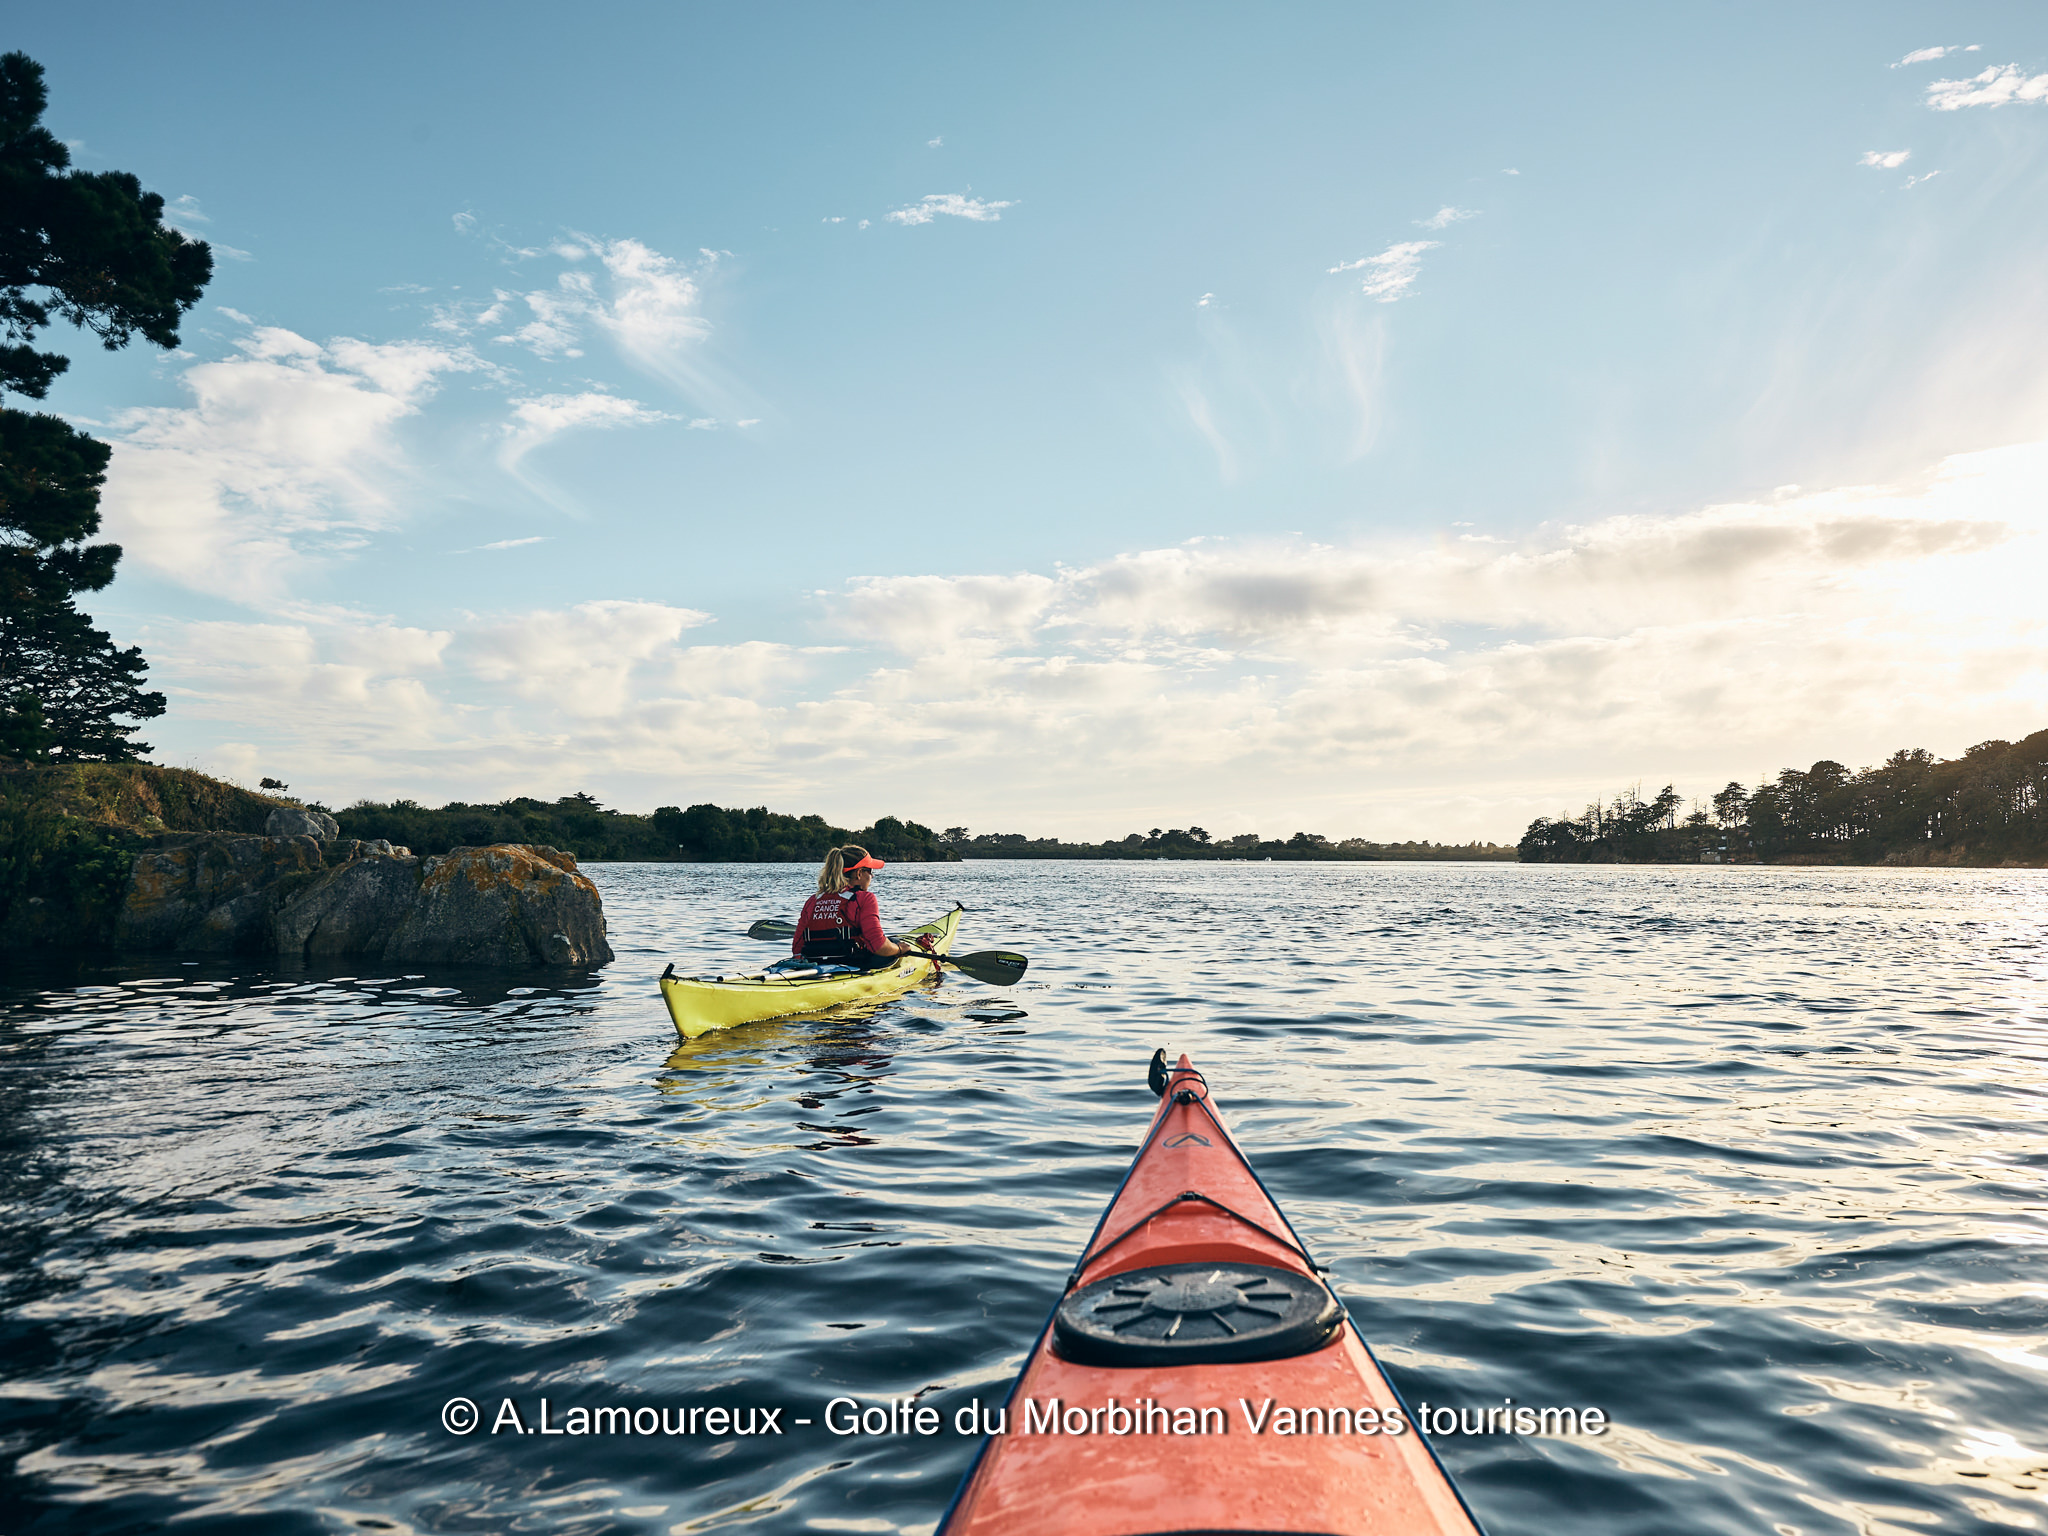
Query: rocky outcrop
[
  {"x": 505, "y": 905},
  {"x": 509, "y": 904},
  {"x": 214, "y": 893},
  {"x": 297, "y": 821}
]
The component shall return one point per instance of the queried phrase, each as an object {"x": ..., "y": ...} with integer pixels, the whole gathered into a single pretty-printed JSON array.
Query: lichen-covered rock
[
  {"x": 508, "y": 904},
  {"x": 296, "y": 821},
  {"x": 212, "y": 894}
]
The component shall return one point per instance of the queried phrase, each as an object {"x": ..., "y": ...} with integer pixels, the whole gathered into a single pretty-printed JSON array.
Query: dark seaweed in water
[{"x": 1750, "y": 1159}]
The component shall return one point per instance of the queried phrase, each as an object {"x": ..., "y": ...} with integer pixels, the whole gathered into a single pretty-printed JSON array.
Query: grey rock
[
  {"x": 221, "y": 893},
  {"x": 509, "y": 904},
  {"x": 352, "y": 910},
  {"x": 211, "y": 894},
  {"x": 295, "y": 821}
]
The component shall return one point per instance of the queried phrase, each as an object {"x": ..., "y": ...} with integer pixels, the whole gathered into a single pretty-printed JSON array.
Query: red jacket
[{"x": 847, "y": 926}]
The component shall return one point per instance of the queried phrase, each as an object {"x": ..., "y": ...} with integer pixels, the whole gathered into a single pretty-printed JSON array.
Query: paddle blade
[
  {"x": 997, "y": 967},
  {"x": 772, "y": 928}
]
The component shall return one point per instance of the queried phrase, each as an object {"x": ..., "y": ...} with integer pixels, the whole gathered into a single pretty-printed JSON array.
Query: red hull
[{"x": 1191, "y": 1198}]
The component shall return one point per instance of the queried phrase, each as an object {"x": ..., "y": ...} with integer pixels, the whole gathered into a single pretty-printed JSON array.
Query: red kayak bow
[{"x": 1199, "y": 1375}]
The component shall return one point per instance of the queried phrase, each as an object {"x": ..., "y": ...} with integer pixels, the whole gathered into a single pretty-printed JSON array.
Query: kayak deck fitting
[
  {"x": 1199, "y": 1374},
  {"x": 700, "y": 1004}
]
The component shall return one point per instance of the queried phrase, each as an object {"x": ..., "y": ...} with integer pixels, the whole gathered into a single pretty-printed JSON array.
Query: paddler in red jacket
[{"x": 843, "y": 922}]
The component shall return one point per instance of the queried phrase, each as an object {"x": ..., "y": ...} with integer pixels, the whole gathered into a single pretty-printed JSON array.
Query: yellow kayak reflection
[{"x": 700, "y": 1004}]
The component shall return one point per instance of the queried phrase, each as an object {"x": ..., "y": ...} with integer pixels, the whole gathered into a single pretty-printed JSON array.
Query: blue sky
[{"x": 1079, "y": 418}]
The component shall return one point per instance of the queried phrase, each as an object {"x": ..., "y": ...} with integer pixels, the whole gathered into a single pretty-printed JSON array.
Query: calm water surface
[{"x": 1754, "y": 1160}]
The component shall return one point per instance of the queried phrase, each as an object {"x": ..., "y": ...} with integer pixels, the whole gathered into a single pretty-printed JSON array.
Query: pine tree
[{"x": 90, "y": 248}]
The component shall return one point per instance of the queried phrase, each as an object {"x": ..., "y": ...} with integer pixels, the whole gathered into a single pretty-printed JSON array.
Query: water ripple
[{"x": 1751, "y": 1159}]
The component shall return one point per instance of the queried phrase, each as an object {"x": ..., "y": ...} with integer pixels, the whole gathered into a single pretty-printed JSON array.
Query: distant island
[
  {"x": 1988, "y": 807},
  {"x": 711, "y": 834}
]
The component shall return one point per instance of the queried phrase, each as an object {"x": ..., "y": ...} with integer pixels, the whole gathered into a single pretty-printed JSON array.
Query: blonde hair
[{"x": 832, "y": 878}]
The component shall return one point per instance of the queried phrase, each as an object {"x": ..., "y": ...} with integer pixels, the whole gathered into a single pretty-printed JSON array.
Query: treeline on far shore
[
  {"x": 1987, "y": 807},
  {"x": 1195, "y": 843},
  {"x": 705, "y": 834},
  {"x": 710, "y": 834}
]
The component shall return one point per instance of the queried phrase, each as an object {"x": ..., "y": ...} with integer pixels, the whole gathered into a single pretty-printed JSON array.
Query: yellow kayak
[{"x": 700, "y": 1004}]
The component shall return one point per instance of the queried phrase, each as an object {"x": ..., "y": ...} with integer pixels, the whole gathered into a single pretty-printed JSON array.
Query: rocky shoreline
[{"x": 297, "y": 889}]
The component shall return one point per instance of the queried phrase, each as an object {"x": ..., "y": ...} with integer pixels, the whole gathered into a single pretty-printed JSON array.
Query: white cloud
[
  {"x": 1446, "y": 216},
  {"x": 649, "y": 306},
  {"x": 580, "y": 660},
  {"x": 1509, "y": 171},
  {"x": 1995, "y": 87},
  {"x": 934, "y": 143},
  {"x": 1295, "y": 600},
  {"x": 182, "y": 212},
  {"x": 537, "y": 538},
  {"x": 1886, "y": 159},
  {"x": 653, "y": 314},
  {"x": 543, "y": 418},
  {"x": 555, "y": 328},
  {"x": 305, "y": 677},
  {"x": 955, "y": 204},
  {"x": 922, "y": 615},
  {"x": 285, "y": 454},
  {"x": 1914, "y": 181},
  {"x": 1389, "y": 275},
  {"x": 1922, "y": 55},
  {"x": 1205, "y": 301},
  {"x": 1445, "y": 687}
]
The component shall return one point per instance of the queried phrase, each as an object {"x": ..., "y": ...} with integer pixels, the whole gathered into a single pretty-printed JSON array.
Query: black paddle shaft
[{"x": 996, "y": 967}]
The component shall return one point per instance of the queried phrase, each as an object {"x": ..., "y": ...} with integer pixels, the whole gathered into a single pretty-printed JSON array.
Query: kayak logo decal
[{"x": 1186, "y": 1137}]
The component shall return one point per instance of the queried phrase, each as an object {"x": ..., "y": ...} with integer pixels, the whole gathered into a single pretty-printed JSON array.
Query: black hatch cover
[{"x": 1195, "y": 1314}]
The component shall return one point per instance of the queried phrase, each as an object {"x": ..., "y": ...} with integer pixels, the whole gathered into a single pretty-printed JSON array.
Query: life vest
[{"x": 830, "y": 930}]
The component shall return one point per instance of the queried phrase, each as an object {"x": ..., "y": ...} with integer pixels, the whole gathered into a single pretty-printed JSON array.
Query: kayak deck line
[
  {"x": 698, "y": 1004},
  {"x": 1196, "y": 1301}
]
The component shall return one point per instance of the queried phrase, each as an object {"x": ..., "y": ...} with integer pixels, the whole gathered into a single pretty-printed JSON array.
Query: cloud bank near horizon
[{"x": 1446, "y": 687}]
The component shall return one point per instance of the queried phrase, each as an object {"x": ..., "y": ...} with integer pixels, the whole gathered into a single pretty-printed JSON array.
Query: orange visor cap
[{"x": 870, "y": 862}]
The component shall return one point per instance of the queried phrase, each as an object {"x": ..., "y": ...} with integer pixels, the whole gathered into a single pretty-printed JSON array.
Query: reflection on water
[{"x": 1751, "y": 1159}]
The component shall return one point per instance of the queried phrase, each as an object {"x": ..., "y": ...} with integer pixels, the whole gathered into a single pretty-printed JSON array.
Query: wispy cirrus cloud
[
  {"x": 1446, "y": 216},
  {"x": 952, "y": 204},
  {"x": 1999, "y": 86},
  {"x": 1925, "y": 55},
  {"x": 647, "y": 305},
  {"x": 1389, "y": 275},
  {"x": 542, "y": 418},
  {"x": 184, "y": 214},
  {"x": 1886, "y": 159},
  {"x": 654, "y": 314}
]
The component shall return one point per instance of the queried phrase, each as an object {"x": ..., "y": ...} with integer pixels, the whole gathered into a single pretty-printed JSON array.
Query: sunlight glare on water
[{"x": 1750, "y": 1159}]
